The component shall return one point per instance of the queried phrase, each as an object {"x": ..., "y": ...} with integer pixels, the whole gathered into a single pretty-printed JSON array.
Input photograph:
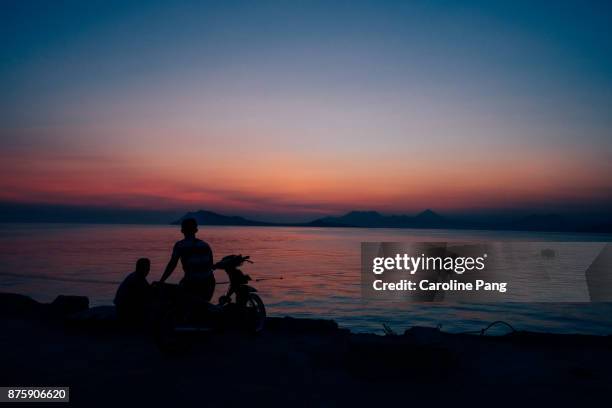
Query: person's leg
[{"x": 208, "y": 288}]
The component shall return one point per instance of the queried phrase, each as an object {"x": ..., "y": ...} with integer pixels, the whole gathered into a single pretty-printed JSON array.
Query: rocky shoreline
[{"x": 301, "y": 362}]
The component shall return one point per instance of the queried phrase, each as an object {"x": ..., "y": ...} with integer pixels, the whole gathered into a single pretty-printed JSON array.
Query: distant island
[
  {"x": 427, "y": 219},
  {"x": 212, "y": 218},
  {"x": 353, "y": 219}
]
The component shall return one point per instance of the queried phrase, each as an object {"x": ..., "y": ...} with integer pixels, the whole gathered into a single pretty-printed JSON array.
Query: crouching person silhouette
[
  {"x": 197, "y": 261},
  {"x": 133, "y": 296}
]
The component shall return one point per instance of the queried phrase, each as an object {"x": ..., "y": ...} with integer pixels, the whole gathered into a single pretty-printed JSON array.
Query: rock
[
  {"x": 66, "y": 305},
  {"x": 293, "y": 325},
  {"x": 101, "y": 318},
  {"x": 424, "y": 335},
  {"x": 14, "y": 305},
  {"x": 380, "y": 357},
  {"x": 98, "y": 313}
]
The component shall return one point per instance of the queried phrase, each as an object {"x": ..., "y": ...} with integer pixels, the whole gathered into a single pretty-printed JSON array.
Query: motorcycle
[{"x": 180, "y": 314}]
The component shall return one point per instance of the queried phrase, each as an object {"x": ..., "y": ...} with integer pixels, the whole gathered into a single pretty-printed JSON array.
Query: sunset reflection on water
[{"x": 319, "y": 267}]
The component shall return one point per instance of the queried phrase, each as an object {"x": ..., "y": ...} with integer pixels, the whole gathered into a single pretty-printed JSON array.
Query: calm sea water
[{"x": 320, "y": 269}]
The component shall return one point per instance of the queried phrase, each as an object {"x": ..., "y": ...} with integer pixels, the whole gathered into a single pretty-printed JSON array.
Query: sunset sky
[{"x": 302, "y": 108}]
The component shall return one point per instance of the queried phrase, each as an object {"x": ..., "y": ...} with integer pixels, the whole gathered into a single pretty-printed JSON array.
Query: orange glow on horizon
[{"x": 300, "y": 183}]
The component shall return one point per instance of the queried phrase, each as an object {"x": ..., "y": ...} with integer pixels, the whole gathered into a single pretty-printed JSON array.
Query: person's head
[
  {"x": 143, "y": 266},
  {"x": 189, "y": 227}
]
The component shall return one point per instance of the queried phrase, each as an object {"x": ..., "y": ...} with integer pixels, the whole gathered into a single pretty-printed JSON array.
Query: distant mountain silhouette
[
  {"x": 373, "y": 219},
  {"x": 80, "y": 214},
  {"x": 362, "y": 219},
  {"x": 430, "y": 219},
  {"x": 426, "y": 219},
  {"x": 211, "y": 218},
  {"x": 47, "y": 213},
  {"x": 350, "y": 219}
]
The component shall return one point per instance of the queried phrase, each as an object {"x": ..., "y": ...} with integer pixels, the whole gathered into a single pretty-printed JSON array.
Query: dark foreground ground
[{"x": 299, "y": 363}]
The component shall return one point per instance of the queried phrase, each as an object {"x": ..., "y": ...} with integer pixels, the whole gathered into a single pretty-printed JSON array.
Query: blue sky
[{"x": 389, "y": 105}]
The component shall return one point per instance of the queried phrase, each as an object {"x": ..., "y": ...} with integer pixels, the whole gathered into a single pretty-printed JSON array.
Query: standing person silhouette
[{"x": 197, "y": 260}]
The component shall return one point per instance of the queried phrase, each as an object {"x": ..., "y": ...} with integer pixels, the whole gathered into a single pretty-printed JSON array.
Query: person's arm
[
  {"x": 171, "y": 266},
  {"x": 212, "y": 262}
]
